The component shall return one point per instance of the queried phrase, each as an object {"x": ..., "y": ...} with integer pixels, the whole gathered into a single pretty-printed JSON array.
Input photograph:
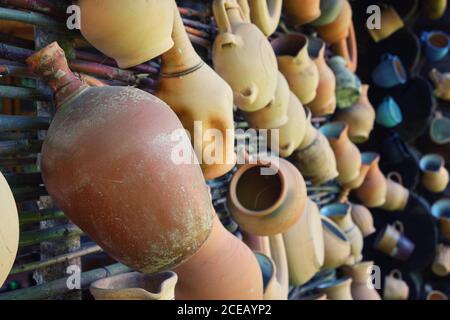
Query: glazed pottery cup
[
  {"x": 436, "y": 295},
  {"x": 435, "y": 177},
  {"x": 392, "y": 242},
  {"x": 389, "y": 113},
  {"x": 390, "y": 72},
  {"x": 441, "y": 211},
  {"x": 394, "y": 287},
  {"x": 390, "y": 23},
  {"x": 436, "y": 44},
  {"x": 441, "y": 81},
  {"x": 440, "y": 129},
  {"x": 441, "y": 264},
  {"x": 397, "y": 196}
]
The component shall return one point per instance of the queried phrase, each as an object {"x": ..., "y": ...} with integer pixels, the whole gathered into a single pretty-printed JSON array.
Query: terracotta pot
[
  {"x": 243, "y": 57},
  {"x": 442, "y": 83},
  {"x": 329, "y": 11},
  {"x": 136, "y": 286},
  {"x": 338, "y": 29},
  {"x": 339, "y": 289},
  {"x": 347, "y": 155},
  {"x": 223, "y": 269},
  {"x": 435, "y": 177},
  {"x": 301, "y": 12},
  {"x": 325, "y": 101},
  {"x": 267, "y": 199},
  {"x": 336, "y": 243},
  {"x": 436, "y": 295},
  {"x": 394, "y": 287},
  {"x": 360, "y": 117},
  {"x": 294, "y": 62},
  {"x": 184, "y": 77},
  {"x": 441, "y": 211},
  {"x": 348, "y": 85},
  {"x": 275, "y": 114},
  {"x": 397, "y": 195},
  {"x": 340, "y": 213},
  {"x": 441, "y": 264},
  {"x": 121, "y": 189},
  {"x": 372, "y": 192},
  {"x": 361, "y": 279},
  {"x": 434, "y": 9},
  {"x": 363, "y": 219},
  {"x": 348, "y": 49},
  {"x": 304, "y": 243},
  {"x": 9, "y": 229},
  {"x": 392, "y": 242},
  {"x": 390, "y": 22},
  {"x": 142, "y": 29},
  {"x": 266, "y": 14}
]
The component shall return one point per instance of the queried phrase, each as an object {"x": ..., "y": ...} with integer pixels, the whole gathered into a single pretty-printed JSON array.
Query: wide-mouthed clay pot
[
  {"x": 363, "y": 219},
  {"x": 243, "y": 57},
  {"x": 267, "y": 198},
  {"x": 336, "y": 243},
  {"x": 339, "y": 289},
  {"x": 266, "y": 14},
  {"x": 300, "y": 12},
  {"x": 390, "y": 22},
  {"x": 338, "y": 29},
  {"x": 131, "y": 32},
  {"x": 397, "y": 195},
  {"x": 435, "y": 177},
  {"x": 114, "y": 187},
  {"x": 136, "y": 286},
  {"x": 360, "y": 274}
]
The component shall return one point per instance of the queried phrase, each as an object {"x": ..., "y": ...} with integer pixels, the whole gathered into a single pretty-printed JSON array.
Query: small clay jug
[
  {"x": 304, "y": 243},
  {"x": 389, "y": 114},
  {"x": 266, "y": 14},
  {"x": 434, "y": 9},
  {"x": 436, "y": 44},
  {"x": 441, "y": 264},
  {"x": 120, "y": 188},
  {"x": 325, "y": 101},
  {"x": 397, "y": 195},
  {"x": 394, "y": 287},
  {"x": 294, "y": 62},
  {"x": 363, "y": 219},
  {"x": 184, "y": 77},
  {"x": 329, "y": 11},
  {"x": 348, "y": 49},
  {"x": 441, "y": 82},
  {"x": 441, "y": 211},
  {"x": 9, "y": 229},
  {"x": 338, "y": 29},
  {"x": 348, "y": 85},
  {"x": 268, "y": 197},
  {"x": 372, "y": 192},
  {"x": 362, "y": 286},
  {"x": 435, "y": 177},
  {"x": 141, "y": 29},
  {"x": 392, "y": 242},
  {"x": 348, "y": 157},
  {"x": 390, "y": 22},
  {"x": 243, "y": 57},
  {"x": 440, "y": 129},
  {"x": 360, "y": 117},
  {"x": 339, "y": 289},
  {"x": 136, "y": 286},
  {"x": 389, "y": 72},
  {"x": 336, "y": 244},
  {"x": 300, "y": 12},
  {"x": 341, "y": 214}
]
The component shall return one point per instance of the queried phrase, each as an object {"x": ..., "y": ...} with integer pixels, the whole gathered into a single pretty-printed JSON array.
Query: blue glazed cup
[
  {"x": 389, "y": 114},
  {"x": 390, "y": 72},
  {"x": 436, "y": 44}
]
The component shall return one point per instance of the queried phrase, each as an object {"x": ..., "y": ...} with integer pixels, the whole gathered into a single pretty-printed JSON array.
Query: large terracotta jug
[
  {"x": 267, "y": 198},
  {"x": 266, "y": 14},
  {"x": 362, "y": 287},
  {"x": 360, "y": 117},
  {"x": 223, "y": 269},
  {"x": 131, "y": 31},
  {"x": 202, "y": 101},
  {"x": 338, "y": 29},
  {"x": 336, "y": 244},
  {"x": 347, "y": 155},
  {"x": 348, "y": 85},
  {"x": 325, "y": 101},
  {"x": 243, "y": 57},
  {"x": 9, "y": 229},
  {"x": 300, "y": 12},
  {"x": 305, "y": 246},
  {"x": 294, "y": 62},
  {"x": 108, "y": 162}
]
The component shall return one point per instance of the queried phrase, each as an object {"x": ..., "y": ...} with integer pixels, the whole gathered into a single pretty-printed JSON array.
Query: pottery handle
[
  {"x": 245, "y": 10},
  {"x": 397, "y": 176},
  {"x": 221, "y": 17},
  {"x": 399, "y": 226},
  {"x": 396, "y": 274}
]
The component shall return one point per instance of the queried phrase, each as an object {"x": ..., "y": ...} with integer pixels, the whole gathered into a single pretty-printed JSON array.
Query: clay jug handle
[
  {"x": 396, "y": 274},
  {"x": 245, "y": 10},
  {"x": 397, "y": 176},
  {"x": 399, "y": 226},
  {"x": 221, "y": 17}
]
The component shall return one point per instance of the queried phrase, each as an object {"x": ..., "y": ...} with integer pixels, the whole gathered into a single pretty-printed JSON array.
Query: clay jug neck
[
  {"x": 235, "y": 14},
  {"x": 360, "y": 272},
  {"x": 50, "y": 63}
]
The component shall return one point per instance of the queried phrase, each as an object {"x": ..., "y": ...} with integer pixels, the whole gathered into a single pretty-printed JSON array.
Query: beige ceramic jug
[
  {"x": 362, "y": 286},
  {"x": 337, "y": 245},
  {"x": 363, "y": 219},
  {"x": 441, "y": 82},
  {"x": 397, "y": 195},
  {"x": 266, "y": 14}
]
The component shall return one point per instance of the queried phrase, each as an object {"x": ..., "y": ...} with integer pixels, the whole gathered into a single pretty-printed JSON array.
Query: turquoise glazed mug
[
  {"x": 436, "y": 44},
  {"x": 389, "y": 113},
  {"x": 390, "y": 72}
]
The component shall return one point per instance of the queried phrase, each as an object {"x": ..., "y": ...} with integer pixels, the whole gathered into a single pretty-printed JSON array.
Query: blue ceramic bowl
[{"x": 436, "y": 45}]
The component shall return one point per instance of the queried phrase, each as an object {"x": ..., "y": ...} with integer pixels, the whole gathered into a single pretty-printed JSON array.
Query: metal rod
[
  {"x": 33, "y": 18},
  {"x": 29, "y": 193},
  {"x": 29, "y": 217},
  {"x": 24, "y": 179},
  {"x": 11, "y": 123},
  {"x": 30, "y": 238},
  {"x": 41, "y": 6},
  {"x": 20, "y": 146},
  {"x": 12, "y": 162},
  {"x": 10, "y": 92},
  {"x": 5, "y": 136}
]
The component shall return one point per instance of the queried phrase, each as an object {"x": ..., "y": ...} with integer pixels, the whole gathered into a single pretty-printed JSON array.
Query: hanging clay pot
[
  {"x": 360, "y": 117},
  {"x": 436, "y": 295},
  {"x": 329, "y": 11},
  {"x": 434, "y": 9},
  {"x": 338, "y": 29},
  {"x": 441, "y": 264},
  {"x": 363, "y": 219},
  {"x": 395, "y": 288},
  {"x": 304, "y": 243},
  {"x": 372, "y": 192},
  {"x": 348, "y": 85},
  {"x": 360, "y": 274},
  {"x": 441, "y": 211},
  {"x": 9, "y": 229},
  {"x": 397, "y": 195},
  {"x": 436, "y": 45},
  {"x": 243, "y": 57},
  {"x": 114, "y": 187},
  {"x": 183, "y": 83},
  {"x": 131, "y": 32},
  {"x": 267, "y": 198},
  {"x": 223, "y": 269},
  {"x": 275, "y": 114},
  {"x": 441, "y": 82},
  {"x": 440, "y": 129},
  {"x": 266, "y": 14},
  {"x": 325, "y": 101},
  {"x": 348, "y": 49},
  {"x": 301, "y": 12},
  {"x": 435, "y": 177},
  {"x": 136, "y": 286},
  {"x": 341, "y": 214},
  {"x": 390, "y": 22},
  {"x": 348, "y": 157},
  {"x": 295, "y": 64},
  {"x": 339, "y": 289},
  {"x": 310, "y": 131},
  {"x": 336, "y": 244}
]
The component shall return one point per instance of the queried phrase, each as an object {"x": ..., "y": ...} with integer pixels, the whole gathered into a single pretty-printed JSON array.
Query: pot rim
[
  {"x": 435, "y": 208},
  {"x": 424, "y": 161}
]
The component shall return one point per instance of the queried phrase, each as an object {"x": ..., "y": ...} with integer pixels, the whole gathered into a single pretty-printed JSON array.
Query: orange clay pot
[{"x": 339, "y": 29}]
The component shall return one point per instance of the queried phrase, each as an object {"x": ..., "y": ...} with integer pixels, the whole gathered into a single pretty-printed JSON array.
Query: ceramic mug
[
  {"x": 440, "y": 129},
  {"x": 441, "y": 211},
  {"x": 389, "y": 113},
  {"x": 397, "y": 195},
  {"x": 436, "y": 295},
  {"x": 436, "y": 44},
  {"x": 390, "y": 72},
  {"x": 394, "y": 287},
  {"x": 392, "y": 242},
  {"x": 435, "y": 177},
  {"x": 441, "y": 264}
]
